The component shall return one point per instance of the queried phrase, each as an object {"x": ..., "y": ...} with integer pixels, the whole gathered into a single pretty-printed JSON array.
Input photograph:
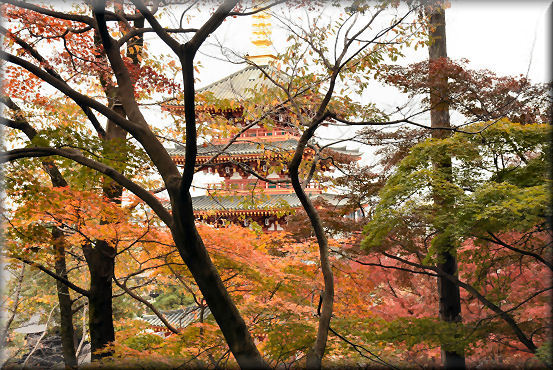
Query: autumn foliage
[{"x": 383, "y": 263}]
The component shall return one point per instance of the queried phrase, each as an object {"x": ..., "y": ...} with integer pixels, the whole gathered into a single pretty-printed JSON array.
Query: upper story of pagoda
[{"x": 261, "y": 149}]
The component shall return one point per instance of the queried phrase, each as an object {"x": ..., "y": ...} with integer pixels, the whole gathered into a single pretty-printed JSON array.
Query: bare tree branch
[
  {"x": 469, "y": 288},
  {"x": 258, "y": 10},
  {"x": 76, "y": 156},
  {"x": 55, "y": 276},
  {"x": 495, "y": 239},
  {"x": 147, "y": 304}
]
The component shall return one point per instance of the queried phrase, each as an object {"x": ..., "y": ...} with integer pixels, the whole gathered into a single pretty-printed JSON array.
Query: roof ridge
[
  {"x": 220, "y": 81},
  {"x": 185, "y": 309},
  {"x": 237, "y": 85}
]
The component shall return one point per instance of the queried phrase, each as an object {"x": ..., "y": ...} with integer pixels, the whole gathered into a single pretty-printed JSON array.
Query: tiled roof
[
  {"x": 258, "y": 202},
  {"x": 31, "y": 326},
  {"x": 178, "y": 318},
  {"x": 239, "y": 85},
  {"x": 346, "y": 151},
  {"x": 238, "y": 148}
]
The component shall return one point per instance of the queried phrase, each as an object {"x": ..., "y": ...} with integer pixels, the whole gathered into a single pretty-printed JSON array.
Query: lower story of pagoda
[
  {"x": 268, "y": 211},
  {"x": 267, "y": 220}
]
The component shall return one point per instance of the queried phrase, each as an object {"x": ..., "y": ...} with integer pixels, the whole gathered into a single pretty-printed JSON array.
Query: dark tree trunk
[
  {"x": 67, "y": 332},
  {"x": 450, "y": 301},
  {"x": 450, "y": 307},
  {"x": 100, "y": 260},
  {"x": 101, "y": 263},
  {"x": 326, "y": 304},
  {"x": 185, "y": 235},
  {"x": 223, "y": 309}
]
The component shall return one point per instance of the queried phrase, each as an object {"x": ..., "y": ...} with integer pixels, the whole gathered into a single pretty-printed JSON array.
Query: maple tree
[
  {"x": 57, "y": 241},
  {"x": 498, "y": 217},
  {"x": 478, "y": 96},
  {"x": 406, "y": 296},
  {"x": 78, "y": 59},
  {"x": 449, "y": 293},
  {"x": 272, "y": 279},
  {"x": 311, "y": 85}
]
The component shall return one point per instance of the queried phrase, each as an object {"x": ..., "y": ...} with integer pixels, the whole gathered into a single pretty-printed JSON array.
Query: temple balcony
[
  {"x": 261, "y": 135},
  {"x": 224, "y": 188}
]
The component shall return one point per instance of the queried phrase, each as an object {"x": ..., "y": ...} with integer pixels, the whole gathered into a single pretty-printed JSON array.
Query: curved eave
[
  {"x": 243, "y": 212},
  {"x": 179, "y": 159},
  {"x": 179, "y": 109}
]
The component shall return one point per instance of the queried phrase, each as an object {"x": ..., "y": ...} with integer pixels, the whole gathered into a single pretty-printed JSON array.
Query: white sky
[
  {"x": 494, "y": 35},
  {"x": 500, "y": 36}
]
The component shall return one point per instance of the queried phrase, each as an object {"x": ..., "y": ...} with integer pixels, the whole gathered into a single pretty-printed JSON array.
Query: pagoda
[{"x": 242, "y": 197}]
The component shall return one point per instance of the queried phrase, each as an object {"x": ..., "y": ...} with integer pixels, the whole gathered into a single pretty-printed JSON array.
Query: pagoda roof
[
  {"x": 344, "y": 150},
  {"x": 240, "y": 85},
  {"x": 245, "y": 148},
  {"x": 237, "y": 148},
  {"x": 218, "y": 204},
  {"x": 32, "y": 326},
  {"x": 180, "y": 318}
]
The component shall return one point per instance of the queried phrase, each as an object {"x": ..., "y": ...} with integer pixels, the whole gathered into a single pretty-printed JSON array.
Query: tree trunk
[
  {"x": 190, "y": 244},
  {"x": 450, "y": 301},
  {"x": 101, "y": 261},
  {"x": 221, "y": 305},
  {"x": 67, "y": 332},
  {"x": 450, "y": 308},
  {"x": 101, "y": 264},
  {"x": 101, "y": 258},
  {"x": 326, "y": 304}
]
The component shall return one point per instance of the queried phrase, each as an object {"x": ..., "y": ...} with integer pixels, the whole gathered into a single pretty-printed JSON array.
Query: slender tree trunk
[
  {"x": 315, "y": 355},
  {"x": 326, "y": 304},
  {"x": 67, "y": 332},
  {"x": 449, "y": 296}
]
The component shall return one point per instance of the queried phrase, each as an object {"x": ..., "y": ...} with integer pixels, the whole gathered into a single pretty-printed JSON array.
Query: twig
[
  {"x": 83, "y": 335},
  {"x": 356, "y": 347}
]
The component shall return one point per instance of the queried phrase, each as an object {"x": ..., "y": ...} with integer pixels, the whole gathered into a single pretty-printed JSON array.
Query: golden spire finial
[{"x": 261, "y": 37}]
